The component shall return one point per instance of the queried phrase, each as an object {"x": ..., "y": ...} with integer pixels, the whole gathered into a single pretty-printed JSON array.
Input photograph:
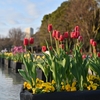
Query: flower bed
[{"x": 67, "y": 77}]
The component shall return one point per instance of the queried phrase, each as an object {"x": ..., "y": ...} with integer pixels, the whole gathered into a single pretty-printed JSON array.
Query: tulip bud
[
  {"x": 94, "y": 43},
  {"x": 25, "y": 42},
  {"x": 98, "y": 54},
  {"x": 76, "y": 28},
  {"x": 91, "y": 41},
  {"x": 54, "y": 33},
  {"x": 72, "y": 35},
  {"x": 61, "y": 38},
  {"x": 44, "y": 48},
  {"x": 31, "y": 40},
  {"x": 84, "y": 56},
  {"x": 66, "y": 35},
  {"x": 80, "y": 38},
  {"x": 50, "y": 27},
  {"x": 57, "y": 34}
]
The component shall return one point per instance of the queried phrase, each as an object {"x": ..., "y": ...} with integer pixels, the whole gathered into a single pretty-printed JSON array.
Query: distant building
[{"x": 29, "y": 32}]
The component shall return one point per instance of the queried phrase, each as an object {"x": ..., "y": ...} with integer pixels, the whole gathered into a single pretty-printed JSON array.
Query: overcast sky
[{"x": 24, "y": 13}]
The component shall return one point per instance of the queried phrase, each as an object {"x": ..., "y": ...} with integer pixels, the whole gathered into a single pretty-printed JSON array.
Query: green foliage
[{"x": 29, "y": 74}]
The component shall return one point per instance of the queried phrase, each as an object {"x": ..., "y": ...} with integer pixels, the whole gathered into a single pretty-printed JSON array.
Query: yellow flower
[
  {"x": 67, "y": 87},
  {"x": 37, "y": 80},
  {"x": 25, "y": 84},
  {"x": 91, "y": 82},
  {"x": 52, "y": 88},
  {"x": 62, "y": 83},
  {"x": 63, "y": 87},
  {"x": 28, "y": 86},
  {"x": 73, "y": 88},
  {"x": 94, "y": 87},
  {"x": 43, "y": 57},
  {"x": 74, "y": 83},
  {"x": 53, "y": 82},
  {"x": 38, "y": 57},
  {"x": 89, "y": 87}
]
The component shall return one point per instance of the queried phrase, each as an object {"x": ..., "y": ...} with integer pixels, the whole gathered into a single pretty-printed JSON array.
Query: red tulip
[
  {"x": 50, "y": 27},
  {"x": 76, "y": 28},
  {"x": 94, "y": 43},
  {"x": 31, "y": 40},
  {"x": 61, "y": 38},
  {"x": 66, "y": 35},
  {"x": 98, "y": 54},
  {"x": 57, "y": 34},
  {"x": 54, "y": 33},
  {"x": 25, "y": 42},
  {"x": 76, "y": 35},
  {"x": 91, "y": 41},
  {"x": 44, "y": 48},
  {"x": 83, "y": 56},
  {"x": 72, "y": 35},
  {"x": 80, "y": 38}
]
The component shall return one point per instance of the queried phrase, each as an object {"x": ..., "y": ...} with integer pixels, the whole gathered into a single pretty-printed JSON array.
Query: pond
[{"x": 10, "y": 84}]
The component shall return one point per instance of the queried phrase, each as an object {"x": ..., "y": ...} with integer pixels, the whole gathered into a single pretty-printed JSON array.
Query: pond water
[{"x": 10, "y": 84}]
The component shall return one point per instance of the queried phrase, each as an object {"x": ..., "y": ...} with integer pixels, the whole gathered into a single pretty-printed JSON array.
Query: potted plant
[{"x": 66, "y": 74}]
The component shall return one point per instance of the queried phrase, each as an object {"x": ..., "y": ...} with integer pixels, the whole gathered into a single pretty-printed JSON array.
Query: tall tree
[
  {"x": 86, "y": 14},
  {"x": 16, "y": 36}
]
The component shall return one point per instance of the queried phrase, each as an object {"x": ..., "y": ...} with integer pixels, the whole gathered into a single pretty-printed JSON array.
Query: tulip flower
[
  {"x": 31, "y": 40},
  {"x": 76, "y": 28},
  {"x": 50, "y": 27},
  {"x": 61, "y": 38},
  {"x": 80, "y": 38},
  {"x": 44, "y": 48},
  {"x": 66, "y": 35},
  {"x": 54, "y": 33},
  {"x": 25, "y": 42},
  {"x": 91, "y": 41},
  {"x": 84, "y": 56},
  {"x": 94, "y": 43},
  {"x": 98, "y": 54},
  {"x": 57, "y": 34},
  {"x": 72, "y": 35}
]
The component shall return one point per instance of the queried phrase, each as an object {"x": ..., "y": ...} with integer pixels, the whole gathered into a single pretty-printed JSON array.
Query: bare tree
[{"x": 16, "y": 36}]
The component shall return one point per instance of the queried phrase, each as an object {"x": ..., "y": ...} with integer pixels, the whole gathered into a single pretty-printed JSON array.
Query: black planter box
[
  {"x": 77, "y": 95},
  {"x": 7, "y": 63},
  {"x": 2, "y": 61},
  {"x": 15, "y": 66}
]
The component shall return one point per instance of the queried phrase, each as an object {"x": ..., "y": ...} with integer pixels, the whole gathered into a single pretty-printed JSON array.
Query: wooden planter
[{"x": 78, "y": 95}]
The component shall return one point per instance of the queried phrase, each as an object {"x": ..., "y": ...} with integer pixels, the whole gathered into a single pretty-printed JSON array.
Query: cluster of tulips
[
  {"x": 28, "y": 42},
  {"x": 68, "y": 71}
]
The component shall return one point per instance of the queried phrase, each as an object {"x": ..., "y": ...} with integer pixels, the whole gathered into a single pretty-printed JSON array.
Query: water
[{"x": 10, "y": 84}]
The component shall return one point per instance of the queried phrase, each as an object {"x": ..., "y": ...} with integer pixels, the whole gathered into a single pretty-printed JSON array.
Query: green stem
[{"x": 51, "y": 38}]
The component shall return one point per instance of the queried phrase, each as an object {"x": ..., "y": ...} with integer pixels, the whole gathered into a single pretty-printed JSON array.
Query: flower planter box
[
  {"x": 2, "y": 61},
  {"x": 7, "y": 63},
  {"x": 15, "y": 66},
  {"x": 78, "y": 95}
]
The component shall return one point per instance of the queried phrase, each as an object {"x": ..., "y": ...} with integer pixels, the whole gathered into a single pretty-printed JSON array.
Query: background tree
[
  {"x": 86, "y": 14},
  {"x": 16, "y": 36}
]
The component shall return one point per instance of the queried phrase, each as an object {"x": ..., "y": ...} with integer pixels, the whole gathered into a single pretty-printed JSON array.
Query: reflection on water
[{"x": 10, "y": 84}]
